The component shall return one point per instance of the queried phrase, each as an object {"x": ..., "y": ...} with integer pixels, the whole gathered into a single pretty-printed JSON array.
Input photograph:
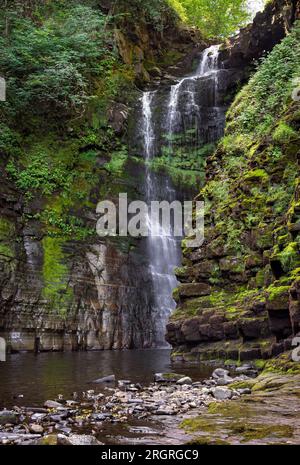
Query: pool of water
[{"x": 44, "y": 376}]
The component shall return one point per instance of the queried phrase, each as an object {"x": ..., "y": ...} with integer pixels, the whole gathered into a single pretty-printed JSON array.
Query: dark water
[{"x": 44, "y": 376}]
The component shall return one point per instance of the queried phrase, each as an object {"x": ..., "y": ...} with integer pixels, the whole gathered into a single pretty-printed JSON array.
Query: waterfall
[
  {"x": 208, "y": 67},
  {"x": 164, "y": 251}
]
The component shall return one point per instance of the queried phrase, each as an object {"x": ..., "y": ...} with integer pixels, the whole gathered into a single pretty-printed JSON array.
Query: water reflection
[{"x": 44, "y": 376}]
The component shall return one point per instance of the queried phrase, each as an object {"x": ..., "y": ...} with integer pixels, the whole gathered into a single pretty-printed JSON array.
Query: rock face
[
  {"x": 77, "y": 294},
  {"x": 249, "y": 262},
  {"x": 269, "y": 27}
]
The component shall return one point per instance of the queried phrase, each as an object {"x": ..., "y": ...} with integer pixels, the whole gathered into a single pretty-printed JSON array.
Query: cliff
[
  {"x": 239, "y": 293},
  {"x": 63, "y": 146}
]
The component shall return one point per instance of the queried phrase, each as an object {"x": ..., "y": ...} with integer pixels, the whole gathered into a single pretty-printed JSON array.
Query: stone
[
  {"x": 38, "y": 416},
  {"x": 123, "y": 382},
  {"x": 230, "y": 330},
  {"x": 190, "y": 330},
  {"x": 221, "y": 393},
  {"x": 243, "y": 368},
  {"x": 48, "y": 440},
  {"x": 224, "y": 381},
  {"x": 194, "y": 290},
  {"x": 244, "y": 391},
  {"x": 7, "y": 416},
  {"x": 77, "y": 440},
  {"x": 105, "y": 379},
  {"x": 35, "y": 428},
  {"x": 167, "y": 377},
  {"x": 220, "y": 373},
  {"x": 254, "y": 328},
  {"x": 52, "y": 404},
  {"x": 185, "y": 380}
]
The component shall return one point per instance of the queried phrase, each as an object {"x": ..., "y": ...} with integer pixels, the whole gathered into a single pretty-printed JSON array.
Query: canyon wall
[{"x": 239, "y": 293}]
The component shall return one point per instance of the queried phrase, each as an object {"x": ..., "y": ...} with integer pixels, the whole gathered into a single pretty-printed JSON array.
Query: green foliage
[
  {"x": 49, "y": 67},
  {"x": 215, "y": 18},
  {"x": 7, "y": 231},
  {"x": 117, "y": 161},
  {"x": 40, "y": 174},
  {"x": 283, "y": 134},
  {"x": 157, "y": 13},
  {"x": 270, "y": 89}
]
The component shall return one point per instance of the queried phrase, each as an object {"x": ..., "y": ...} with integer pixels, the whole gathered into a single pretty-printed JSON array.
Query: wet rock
[
  {"x": 166, "y": 411},
  {"x": 244, "y": 391},
  {"x": 224, "y": 381},
  {"x": 101, "y": 416},
  {"x": 185, "y": 380},
  {"x": 38, "y": 417},
  {"x": 167, "y": 377},
  {"x": 123, "y": 382},
  {"x": 35, "y": 428},
  {"x": 7, "y": 416},
  {"x": 220, "y": 373},
  {"x": 105, "y": 379},
  {"x": 48, "y": 440},
  {"x": 221, "y": 393},
  {"x": 77, "y": 440},
  {"x": 63, "y": 429},
  {"x": 243, "y": 368},
  {"x": 52, "y": 404},
  {"x": 194, "y": 290}
]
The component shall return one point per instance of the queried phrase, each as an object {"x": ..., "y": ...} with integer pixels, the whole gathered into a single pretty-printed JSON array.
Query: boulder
[
  {"x": 35, "y": 428},
  {"x": 52, "y": 404},
  {"x": 167, "y": 377},
  {"x": 220, "y": 373},
  {"x": 185, "y": 380},
  {"x": 194, "y": 290},
  {"x": 77, "y": 440},
  {"x": 221, "y": 393},
  {"x": 105, "y": 379},
  {"x": 7, "y": 416}
]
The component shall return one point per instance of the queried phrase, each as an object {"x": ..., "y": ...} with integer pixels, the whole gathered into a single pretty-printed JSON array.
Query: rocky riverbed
[{"x": 84, "y": 417}]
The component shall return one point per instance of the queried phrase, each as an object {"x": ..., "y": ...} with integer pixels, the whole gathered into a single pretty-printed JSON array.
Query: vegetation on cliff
[{"x": 250, "y": 261}]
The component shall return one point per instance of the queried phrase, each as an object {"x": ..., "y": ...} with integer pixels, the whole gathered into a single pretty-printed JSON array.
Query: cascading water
[{"x": 164, "y": 251}]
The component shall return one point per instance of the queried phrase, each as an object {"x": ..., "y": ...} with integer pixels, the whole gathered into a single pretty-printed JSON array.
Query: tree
[{"x": 215, "y": 18}]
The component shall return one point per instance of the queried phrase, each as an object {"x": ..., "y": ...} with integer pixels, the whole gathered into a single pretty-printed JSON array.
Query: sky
[{"x": 255, "y": 6}]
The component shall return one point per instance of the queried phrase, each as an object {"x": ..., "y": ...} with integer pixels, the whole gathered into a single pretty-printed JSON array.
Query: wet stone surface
[{"x": 96, "y": 416}]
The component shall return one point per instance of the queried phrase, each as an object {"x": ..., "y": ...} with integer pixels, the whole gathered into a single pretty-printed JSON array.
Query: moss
[
  {"x": 260, "y": 364},
  {"x": 284, "y": 134},
  {"x": 55, "y": 274},
  {"x": 207, "y": 441},
  {"x": 252, "y": 431},
  {"x": 117, "y": 161},
  {"x": 176, "y": 294},
  {"x": 256, "y": 175},
  {"x": 198, "y": 424},
  {"x": 282, "y": 365},
  {"x": 275, "y": 292},
  {"x": 290, "y": 256},
  {"x": 7, "y": 234}
]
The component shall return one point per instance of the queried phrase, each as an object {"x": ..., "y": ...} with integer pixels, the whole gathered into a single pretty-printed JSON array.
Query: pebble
[
  {"x": 118, "y": 405},
  {"x": 35, "y": 428},
  {"x": 185, "y": 380},
  {"x": 52, "y": 404}
]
